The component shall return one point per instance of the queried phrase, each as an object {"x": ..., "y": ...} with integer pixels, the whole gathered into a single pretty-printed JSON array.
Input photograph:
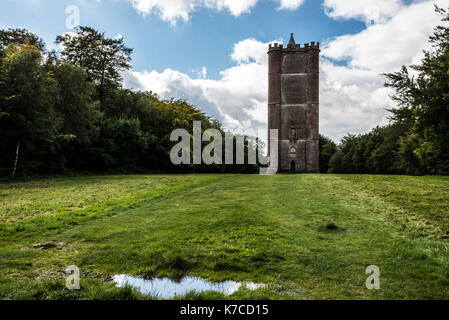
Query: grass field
[{"x": 304, "y": 236}]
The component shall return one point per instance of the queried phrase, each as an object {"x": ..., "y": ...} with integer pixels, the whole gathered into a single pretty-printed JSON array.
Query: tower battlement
[{"x": 295, "y": 47}]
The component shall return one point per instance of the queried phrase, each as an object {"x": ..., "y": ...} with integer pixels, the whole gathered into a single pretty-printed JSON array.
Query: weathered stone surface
[
  {"x": 294, "y": 88},
  {"x": 293, "y": 98}
]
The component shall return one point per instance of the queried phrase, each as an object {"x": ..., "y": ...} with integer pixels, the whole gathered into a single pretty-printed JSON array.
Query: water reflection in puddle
[{"x": 165, "y": 288}]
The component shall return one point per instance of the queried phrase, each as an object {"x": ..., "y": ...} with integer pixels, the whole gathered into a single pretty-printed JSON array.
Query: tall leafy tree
[
  {"x": 75, "y": 103},
  {"x": 27, "y": 97},
  {"x": 103, "y": 58},
  {"x": 423, "y": 100}
]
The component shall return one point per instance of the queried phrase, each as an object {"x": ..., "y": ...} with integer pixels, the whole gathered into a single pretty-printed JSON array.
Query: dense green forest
[{"x": 67, "y": 111}]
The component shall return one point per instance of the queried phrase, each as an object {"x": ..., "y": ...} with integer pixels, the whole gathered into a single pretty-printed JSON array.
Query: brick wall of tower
[
  {"x": 274, "y": 91},
  {"x": 293, "y": 104}
]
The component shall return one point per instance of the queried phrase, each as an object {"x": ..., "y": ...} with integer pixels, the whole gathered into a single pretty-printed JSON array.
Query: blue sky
[
  {"x": 205, "y": 40},
  {"x": 174, "y": 40}
]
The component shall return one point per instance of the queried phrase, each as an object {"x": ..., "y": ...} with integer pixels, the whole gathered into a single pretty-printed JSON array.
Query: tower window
[{"x": 292, "y": 134}]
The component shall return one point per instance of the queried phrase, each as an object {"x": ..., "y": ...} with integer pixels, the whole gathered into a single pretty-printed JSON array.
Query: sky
[{"x": 213, "y": 53}]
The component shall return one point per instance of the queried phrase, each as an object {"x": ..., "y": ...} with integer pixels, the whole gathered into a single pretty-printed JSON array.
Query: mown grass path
[{"x": 306, "y": 236}]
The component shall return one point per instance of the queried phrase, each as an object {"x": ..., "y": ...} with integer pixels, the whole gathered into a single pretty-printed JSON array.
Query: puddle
[{"x": 165, "y": 288}]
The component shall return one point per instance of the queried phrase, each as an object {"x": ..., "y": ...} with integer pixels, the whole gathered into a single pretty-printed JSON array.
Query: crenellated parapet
[
  {"x": 275, "y": 47},
  {"x": 295, "y": 47}
]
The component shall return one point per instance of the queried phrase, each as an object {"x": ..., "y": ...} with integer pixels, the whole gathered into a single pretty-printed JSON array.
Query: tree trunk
[
  {"x": 102, "y": 85},
  {"x": 101, "y": 98},
  {"x": 17, "y": 159}
]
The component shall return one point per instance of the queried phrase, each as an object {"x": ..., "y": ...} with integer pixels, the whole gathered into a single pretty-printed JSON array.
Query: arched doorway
[{"x": 292, "y": 166}]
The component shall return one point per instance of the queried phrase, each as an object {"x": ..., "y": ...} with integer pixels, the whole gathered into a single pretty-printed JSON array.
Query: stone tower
[{"x": 293, "y": 104}]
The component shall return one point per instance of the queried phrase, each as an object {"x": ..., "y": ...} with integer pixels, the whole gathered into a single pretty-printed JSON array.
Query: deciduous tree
[
  {"x": 422, "y": 95},
  {"x": 101, "y": 57},
  {"x": 27, "y": 99}
]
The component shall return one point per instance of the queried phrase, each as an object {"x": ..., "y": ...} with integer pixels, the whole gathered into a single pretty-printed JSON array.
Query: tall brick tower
[{"x": 293, "y": 104}]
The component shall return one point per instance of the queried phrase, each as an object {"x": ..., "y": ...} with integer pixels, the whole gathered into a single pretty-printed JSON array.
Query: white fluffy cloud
[
  {"x": 370, "y": 11},
  {"x": 385, "y": 46},
  {"x": 290, "y": 4},
  {"x": 250, "y": 50},
  {"x": 353, "y": 98},
  {"x": 173, "y": 10},
  {"x": 238, "y": 99}
]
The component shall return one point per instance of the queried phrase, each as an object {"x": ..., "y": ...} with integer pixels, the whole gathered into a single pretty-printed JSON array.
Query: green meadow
[{"x": 303, "y": 236}]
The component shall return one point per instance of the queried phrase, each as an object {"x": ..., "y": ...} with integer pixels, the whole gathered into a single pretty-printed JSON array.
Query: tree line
[{"x": 67, "y": 111}]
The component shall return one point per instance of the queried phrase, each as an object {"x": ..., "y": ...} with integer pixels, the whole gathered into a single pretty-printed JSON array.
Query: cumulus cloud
[
  {"x": 249, "y": 50},
  {"x": 238, "y": 98},
  {"x": 386, "y": 46},
  {"x": 353, "y": 97},
  {"x": 290, "y": 4},
  {"x": 351, "y": 100},
  {"x": 174, "y": 10},
  {"x": 370, "y": 11}
]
